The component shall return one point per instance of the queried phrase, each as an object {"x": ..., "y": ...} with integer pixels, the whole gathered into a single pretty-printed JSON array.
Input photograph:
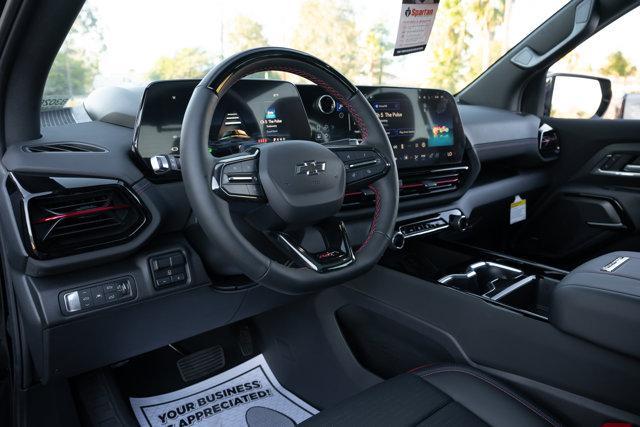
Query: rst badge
[{"x": 613, "y": 265}]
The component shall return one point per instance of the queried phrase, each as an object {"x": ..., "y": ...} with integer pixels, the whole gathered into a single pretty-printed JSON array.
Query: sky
[{"x": 137, "y": 32}]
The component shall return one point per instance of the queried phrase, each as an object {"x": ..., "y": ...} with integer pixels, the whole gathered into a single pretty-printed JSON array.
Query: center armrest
[{"x": 600, "y": 302}]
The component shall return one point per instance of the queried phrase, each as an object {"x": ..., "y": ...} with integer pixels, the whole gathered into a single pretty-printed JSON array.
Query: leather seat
[{"x": 448, "y": 395}]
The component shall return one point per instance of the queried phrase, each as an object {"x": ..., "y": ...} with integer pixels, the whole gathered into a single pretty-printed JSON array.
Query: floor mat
[{"x": 247, "y": 395}]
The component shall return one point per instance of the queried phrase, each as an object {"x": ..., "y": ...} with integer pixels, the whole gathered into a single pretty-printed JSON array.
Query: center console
[
  {"x": 512, "y": 283},
  {"x": 600, "y": 302},
  {"x": 597, "y": 302},
  {"x": 516, "y": 285}
]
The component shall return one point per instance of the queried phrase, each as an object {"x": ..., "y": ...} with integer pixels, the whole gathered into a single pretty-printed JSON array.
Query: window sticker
[{"x": 416, "y": 21}]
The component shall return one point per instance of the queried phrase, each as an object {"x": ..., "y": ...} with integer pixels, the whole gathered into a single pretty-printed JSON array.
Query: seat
[{"x": 445, "y": 395}]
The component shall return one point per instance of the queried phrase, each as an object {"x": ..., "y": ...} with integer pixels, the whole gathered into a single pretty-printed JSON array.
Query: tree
[
  {"x": 70, "y": 75},
  {"x": 189, "y": 62},
  {"x": 75, "y": 68},
  {"x": 618, "y": 66},
  {"x": 377, "y": 46},
  {"x": 489, "y": 14},
  {"x": 448, "y": 65},
  {"x": 246, "y": 34},
  {"x": 327, "y": 29}
]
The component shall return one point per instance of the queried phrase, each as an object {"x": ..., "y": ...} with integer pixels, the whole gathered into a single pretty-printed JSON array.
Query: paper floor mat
[{"x": 247, "y": 395}]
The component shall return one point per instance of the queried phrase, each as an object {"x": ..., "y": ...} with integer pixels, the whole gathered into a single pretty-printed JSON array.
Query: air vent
[
  {"x": 548, "y": 142},
  {"x": 434, "y": 181},
  {"x": 418, "y": 184},
  {"x": 76, "y": 221},
  {"x": 59, "y": 117},
  {"x": 66, "y": 147}
]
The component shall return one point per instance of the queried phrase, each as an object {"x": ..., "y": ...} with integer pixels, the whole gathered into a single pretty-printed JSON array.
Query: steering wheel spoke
[
  {"x": 236, "y": 177},
  {"x": 363, "y": 164},
  {"x": 336, "y": 254}
]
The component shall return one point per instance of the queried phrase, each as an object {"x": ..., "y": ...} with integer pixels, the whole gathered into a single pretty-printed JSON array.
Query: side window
[{"x": 601, "y": 77}]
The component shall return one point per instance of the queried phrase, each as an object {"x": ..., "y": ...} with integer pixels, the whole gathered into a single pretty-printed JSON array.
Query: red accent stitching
[
  {"x": 496, "y": 385},
  {"x": 418, "y": 368},
  {"x": 376, "y": 214}
]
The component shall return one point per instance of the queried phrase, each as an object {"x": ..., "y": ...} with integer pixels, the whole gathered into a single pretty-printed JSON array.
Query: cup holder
[
  {"x": 483, "y": 278},
  {"x": 528, "y": 292}
]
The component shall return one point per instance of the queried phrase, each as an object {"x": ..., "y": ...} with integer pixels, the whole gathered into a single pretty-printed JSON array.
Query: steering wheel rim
[{"x": 212, "y": 211}]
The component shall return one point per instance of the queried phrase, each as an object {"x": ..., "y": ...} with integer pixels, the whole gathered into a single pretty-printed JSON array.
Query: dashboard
[
  {"x": 137, "y": 219},
  {"x": 423, "y": 125}
]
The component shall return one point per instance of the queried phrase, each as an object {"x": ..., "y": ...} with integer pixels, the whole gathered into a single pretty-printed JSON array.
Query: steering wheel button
[
  {"x": 248, "y": 166},
  {"x": 346, "y": 156},
  {"x": 355, "y": 175},
  {"x": 364, "y": 155},
  {"x": 252, "y": 190},
  {"x": 377, "y": 169},
  {"x": 237, "y": 189},
  {"x": 233, "y": 168}
]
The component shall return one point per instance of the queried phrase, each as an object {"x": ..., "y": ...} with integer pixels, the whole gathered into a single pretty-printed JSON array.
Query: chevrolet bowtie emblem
[{"x": 311, "y": 167}]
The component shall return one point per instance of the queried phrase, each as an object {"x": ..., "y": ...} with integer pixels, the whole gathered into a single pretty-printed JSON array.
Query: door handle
[{"x": 613, "y": 226}]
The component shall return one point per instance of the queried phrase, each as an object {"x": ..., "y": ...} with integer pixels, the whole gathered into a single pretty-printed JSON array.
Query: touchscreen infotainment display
[{"x": 423, "y": 125}]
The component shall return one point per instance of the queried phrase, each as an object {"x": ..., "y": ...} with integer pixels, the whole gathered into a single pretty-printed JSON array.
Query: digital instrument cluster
[
  {"x": 252, "y": 112},
  {"x": 423, "y": 125}
]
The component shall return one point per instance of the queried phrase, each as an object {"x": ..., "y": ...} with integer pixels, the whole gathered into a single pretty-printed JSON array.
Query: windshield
[{"x": 130, "y": 43}]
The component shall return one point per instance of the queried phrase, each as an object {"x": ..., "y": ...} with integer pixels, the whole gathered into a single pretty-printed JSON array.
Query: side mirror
[
  {"x": 630, "y": 108},
  {"x": 576, "y": 96}
]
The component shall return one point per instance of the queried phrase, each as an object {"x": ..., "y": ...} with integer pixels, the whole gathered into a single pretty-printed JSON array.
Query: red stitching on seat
[
  {"x": 418, "y": 368},
  {"x": 496, "y": 385}
]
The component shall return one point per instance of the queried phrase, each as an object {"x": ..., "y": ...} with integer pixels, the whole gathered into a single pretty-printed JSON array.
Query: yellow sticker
[{"x": 518, "y": 211}]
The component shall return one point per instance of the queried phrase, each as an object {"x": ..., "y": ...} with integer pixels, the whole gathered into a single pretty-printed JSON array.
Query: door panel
[{"x": 593, "y": 205}]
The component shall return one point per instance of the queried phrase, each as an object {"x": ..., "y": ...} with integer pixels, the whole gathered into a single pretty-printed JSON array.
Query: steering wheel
[{"x": 286, "y": 188}]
